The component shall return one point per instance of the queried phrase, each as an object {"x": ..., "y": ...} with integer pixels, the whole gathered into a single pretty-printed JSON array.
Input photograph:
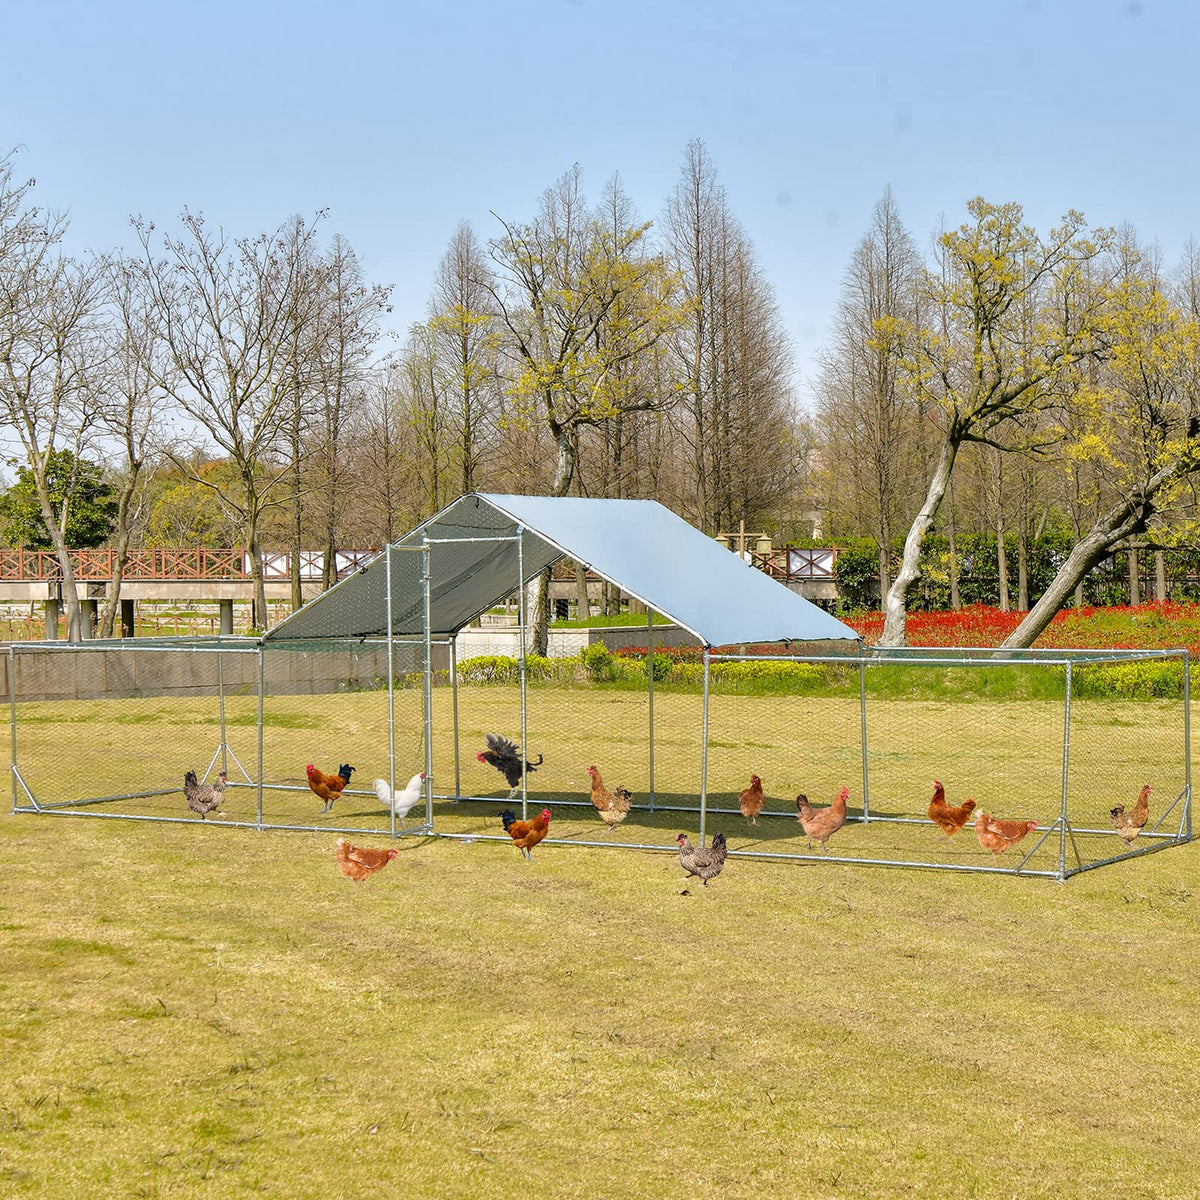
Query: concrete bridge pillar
[
  {"x": 226, "y": 617},
  {"x": 127, "y": 612},
  {"x": 87, "y": 620},
  {"x": 51, "y": 620}
]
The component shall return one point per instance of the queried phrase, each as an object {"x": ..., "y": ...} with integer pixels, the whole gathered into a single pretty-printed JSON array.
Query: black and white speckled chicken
[
  {"x": 202, "y": 798},
  {"x": 705, "y": 863}
]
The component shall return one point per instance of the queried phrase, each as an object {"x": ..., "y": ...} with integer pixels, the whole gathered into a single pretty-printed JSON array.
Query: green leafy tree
[
  {"x": 85, "y": 505},
  {"x": 1009, "y": 319},
  {"x": 1138, "y": 429}
]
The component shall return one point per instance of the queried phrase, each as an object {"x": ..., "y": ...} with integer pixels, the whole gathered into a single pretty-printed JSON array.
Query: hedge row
[{"x": 595, "y": 666}]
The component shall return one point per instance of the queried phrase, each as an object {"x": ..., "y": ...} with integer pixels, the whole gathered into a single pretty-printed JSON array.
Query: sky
[{"x": 404, "y": 119}]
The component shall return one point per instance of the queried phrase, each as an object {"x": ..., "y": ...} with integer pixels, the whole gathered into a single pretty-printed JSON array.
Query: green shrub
[
  {"x": 1132, "y": 681},
  {"x": 658, "y": 666},
  {"x": 503, "y": 668},
  {"x": 598, "y": 662}
]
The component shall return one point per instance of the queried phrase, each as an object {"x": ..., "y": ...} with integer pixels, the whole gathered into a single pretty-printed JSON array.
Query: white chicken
[{"x": 402, "y": 802}]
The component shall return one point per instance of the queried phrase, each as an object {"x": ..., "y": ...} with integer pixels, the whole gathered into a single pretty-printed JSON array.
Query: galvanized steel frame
[{"x": 863, "y": 660}]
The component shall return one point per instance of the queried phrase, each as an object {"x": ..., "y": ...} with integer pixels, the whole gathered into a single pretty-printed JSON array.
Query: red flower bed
[{"x": 1146, "y": 627}]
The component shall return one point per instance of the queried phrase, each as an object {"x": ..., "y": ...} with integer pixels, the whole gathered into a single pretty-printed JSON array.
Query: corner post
[
  {"x": 427, "y": 570},
  {"x": 862, "y": 705},
  {"x": 521, "y": 666},
  {"x": 650, "y": 674},
  {"x": 1062, "y": 817},
  {"x": 221, "y": 704},
  {"x": 454, "y": 699},
  {"x": 391, "y": 691},
  {"x": 261, "y": 689},
  {"x": 12, "y": 717},
  {"x": 704, "y": 751},
  {"x": 1187, "y": 743}
]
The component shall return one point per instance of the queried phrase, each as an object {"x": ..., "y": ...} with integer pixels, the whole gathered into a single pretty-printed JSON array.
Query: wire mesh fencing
[
  {"x": 1043, "y": 748},
  {"x": 111, "y": 729}
]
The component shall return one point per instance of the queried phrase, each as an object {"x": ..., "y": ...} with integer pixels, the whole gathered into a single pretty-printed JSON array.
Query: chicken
[
  {"x": 502, "y": 753},
  {"x": 613, "y": 807},
  {"x": 357, "y": 862},
  {"x": 329, "y": 787},
  {"x": 526, "y": 834},
  {"x": 997, "y": 835},
  {"x": 951, "y": 819},
  {"x": 1129, "y": 825},
  {"x": 822, "y": 823},
  {"x": 705, "y": 863},
  {"x": 751, "y": 800},
  {"x": 202, "y": 798},
  {"x": 401, "y": 802}
]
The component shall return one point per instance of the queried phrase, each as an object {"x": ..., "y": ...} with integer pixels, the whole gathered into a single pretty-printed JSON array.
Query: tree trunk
[
  {"x": 1160, "y": 577},
  {"x": 1135, "y": 584},
  {"x": 955, "y": 597},
  {"x": 885, "y": 555},
  {"x": 112, "y": 605},
  {"x": 1126, "y": 519},
  {"x": 1022, "y": 569},
  {"x": 55, "y": 524},
  {"x": 896, "y": 604},
  {"x": 564, "y": 472},
  {"x": 297, "y": 523},
  {"x": 1002, "y": 562},
  {"x": 582, "y": 604}
]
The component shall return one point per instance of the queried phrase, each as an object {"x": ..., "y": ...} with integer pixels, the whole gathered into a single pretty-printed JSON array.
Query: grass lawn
[{"x": 192, "y": 1011}]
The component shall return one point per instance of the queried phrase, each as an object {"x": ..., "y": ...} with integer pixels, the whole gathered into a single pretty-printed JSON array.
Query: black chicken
[{"x": 504, "y": 755}]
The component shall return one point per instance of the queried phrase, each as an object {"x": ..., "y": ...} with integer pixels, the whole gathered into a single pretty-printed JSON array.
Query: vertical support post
[
  {"x": 226, "y": 608},
  {"x": 704, "y": 753},
  {"x": 454, "y": 697},
  {"x": 427, "y": 571},
  {"x": 52, "y": 619},
  {"x": 1062, "y": 819},
  {"x": 650, "y": 673},
  {"x": 521, "y": 664},
  {"x": 221, "y": 704},
  {"x": 1187, "y": 743},
  {"x": 391, "y": 670},
  {"x": 12, "y": 716},
  {"x": 261, "y": 689},
  {"x": 862, "y": 706},
  {"x": 128, "y": 618}
]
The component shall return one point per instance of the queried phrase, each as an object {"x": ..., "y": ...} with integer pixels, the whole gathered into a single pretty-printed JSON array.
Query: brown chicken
[
  {"x": 751, "y": 800},
  {"x": 329, "y": 787},
  {"x": 1129, "y": 824},
  {"x": 822, "y": 823},
  {"x": 526, "y": 834},
  {"x": 357, "y": 862},
  {"x": 997, "y": 835},
  {"x": 613, "y": 807},
  {"x": 951, "y": 819}
]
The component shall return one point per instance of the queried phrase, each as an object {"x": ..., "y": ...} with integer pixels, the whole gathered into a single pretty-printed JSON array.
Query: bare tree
[
  {"x": 49, "y": 310},
  {"x": 225, "y": 308},
  {"x": 128, "y": 406},
  {"x": 866, "y": 411},
  {"x": 732, "y": 361},
  {"x": 465, "y": 339}
]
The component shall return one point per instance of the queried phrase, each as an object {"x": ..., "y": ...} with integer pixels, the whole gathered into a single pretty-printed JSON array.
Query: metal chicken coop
[{"x": 369, "y": 675}]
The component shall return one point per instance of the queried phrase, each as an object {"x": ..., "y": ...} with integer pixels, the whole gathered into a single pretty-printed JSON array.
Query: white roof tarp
[{"x": 638, "y": 545}]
